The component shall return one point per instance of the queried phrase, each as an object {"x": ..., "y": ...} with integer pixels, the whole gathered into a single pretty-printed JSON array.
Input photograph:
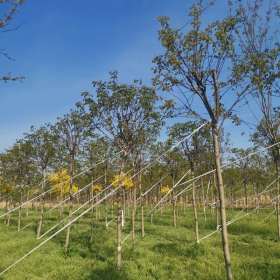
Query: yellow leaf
[
  {"x": 164, "y": 189},
  {"x": 122, "y": 180}
]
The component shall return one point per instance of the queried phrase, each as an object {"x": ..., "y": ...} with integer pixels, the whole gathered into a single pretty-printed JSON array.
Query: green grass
[{"x": 165, "y": 252}]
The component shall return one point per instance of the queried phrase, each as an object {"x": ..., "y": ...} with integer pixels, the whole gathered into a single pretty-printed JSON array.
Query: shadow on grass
[
  {"x": 109, "y": 272},
  {"x": 264, "y": 270},
  {"x": 252, "y": 229},
  {"x": 81, "y": 245},
  {"x": 172, "y": 249}
]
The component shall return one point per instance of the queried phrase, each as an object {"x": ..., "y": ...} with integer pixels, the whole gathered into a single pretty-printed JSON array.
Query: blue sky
[{"x": 61, "y": 46}]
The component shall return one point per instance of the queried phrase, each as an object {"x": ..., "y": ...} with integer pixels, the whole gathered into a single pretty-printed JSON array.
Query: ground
[{"x": 164, "y": 253}]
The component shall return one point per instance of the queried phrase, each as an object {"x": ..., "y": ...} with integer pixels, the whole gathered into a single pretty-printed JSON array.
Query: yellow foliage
[
  {"x": 60, "y": 182},
  {"x": 5, "y": 187},
  {"x": 164, "y": 189},
  {"x": 122, "y": 180},
  {"x": 75, "y": 188},
  {"x": 96, "y": 188}
]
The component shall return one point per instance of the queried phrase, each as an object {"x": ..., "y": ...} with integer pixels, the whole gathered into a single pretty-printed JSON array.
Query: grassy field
[{"x": 165, "y": 252}]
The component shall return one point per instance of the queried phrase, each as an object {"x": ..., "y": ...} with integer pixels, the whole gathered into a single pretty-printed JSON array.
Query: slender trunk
[
  {"x": 67, "y": 238},
  {"x": 96, "y": 213},
  {"x": 133, "y": 213},
  {"x": 225, "y": 242},
  {"x": 9, "y": 215},
  {"x": 278, "y": 201},
  {"x": 92, "y": 214},
  {"x": 217, "y": 203},
  {"x": 124, "y": 207},
  {"x": 6, "y": 210},
  {"x": 213, "y": 186},
  {"x": 133, "y": 224},
  {"x": 203, "y": 200},
  {"x": 174, "y": 212},
  {"x": 142, "y": 221},
  {"x": 195, "y": 213},
  {"x": 246, "y": 196},
  {"x": 185, "y": 202},
  {"x": 27, "y": 207},
  {"x": 61, "y": 206},
  {"x": 119, "y": 239},
  {"x": 19, "y": 212},
  {"x": 19, "y": 218},
  {"x": 106, "y": 215},
  {"x": 105, "y": 185},
  {"x": 40, "y": 221},
  {"x": 231, "y": 196}
]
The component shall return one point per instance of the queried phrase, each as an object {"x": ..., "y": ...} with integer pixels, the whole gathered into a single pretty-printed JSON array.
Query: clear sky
[{"x": 61, "y": 46}]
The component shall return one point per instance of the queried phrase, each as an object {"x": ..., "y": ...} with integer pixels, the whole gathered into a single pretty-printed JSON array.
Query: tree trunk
[
  {"x": 174, "y": 212},
  {"x": 19, "y": 213},
  {"x": 246, "y": 196},
  {"x": 133, "y": 224},
  {"x": 6, "y": 210},
  {"x": 40, "y": 222},
  {"x": 133, "y": 213},
  {"x": 195, "y": 213},
  {"x": 124, "y": 207},
  {"x": 278, "y": 201},
  {"x": 225, "y": 242},
  {"x": 119, "y": 239},
  {"x": 9, "y": 215},
  {"x": 61, "y": 208},
  {"x": 42, "y": 201},
  {"x": 27, "y": 207},
  {"x": 67, "y": 238},
  {"x": 203, "y": 200},
  {"x": 142, "y": 221},
  {"x": 213, "y": 186},
  {"x": 92, "y": 217}
]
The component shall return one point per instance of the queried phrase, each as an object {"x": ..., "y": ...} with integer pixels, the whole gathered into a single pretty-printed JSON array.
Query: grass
[{"x": 165, "y": 252}]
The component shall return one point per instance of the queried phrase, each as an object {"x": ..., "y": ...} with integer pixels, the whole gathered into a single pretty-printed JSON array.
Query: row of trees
[{"x": 209, "y": 70}]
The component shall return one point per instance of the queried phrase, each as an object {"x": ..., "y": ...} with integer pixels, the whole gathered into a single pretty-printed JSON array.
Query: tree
[
  {"x": 95, "y": 151},
  {"x": 71, "y": 131},
  {"x": 196, "y": 151},
  {"x": 202, "y": 64},
  {"x": 259, "y": 41},
  {"x": 244, "y": 167},
  {"x": 42, "y": 142},
  {"x": 129, "y": 115}
]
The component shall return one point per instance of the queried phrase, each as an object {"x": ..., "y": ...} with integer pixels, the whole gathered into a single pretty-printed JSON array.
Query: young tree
[
  {"x": 126, "y": 114},
  {"x": 259, "y": 41},
  {"x": 71, "y": 131},
  {"x": 42, "y": 142},
  {"x": 244, "y": 167},
  {"x": 202, "y": 64},
  {"x": 129, "y": 115},
  {"x": 197, "y": 151}
]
